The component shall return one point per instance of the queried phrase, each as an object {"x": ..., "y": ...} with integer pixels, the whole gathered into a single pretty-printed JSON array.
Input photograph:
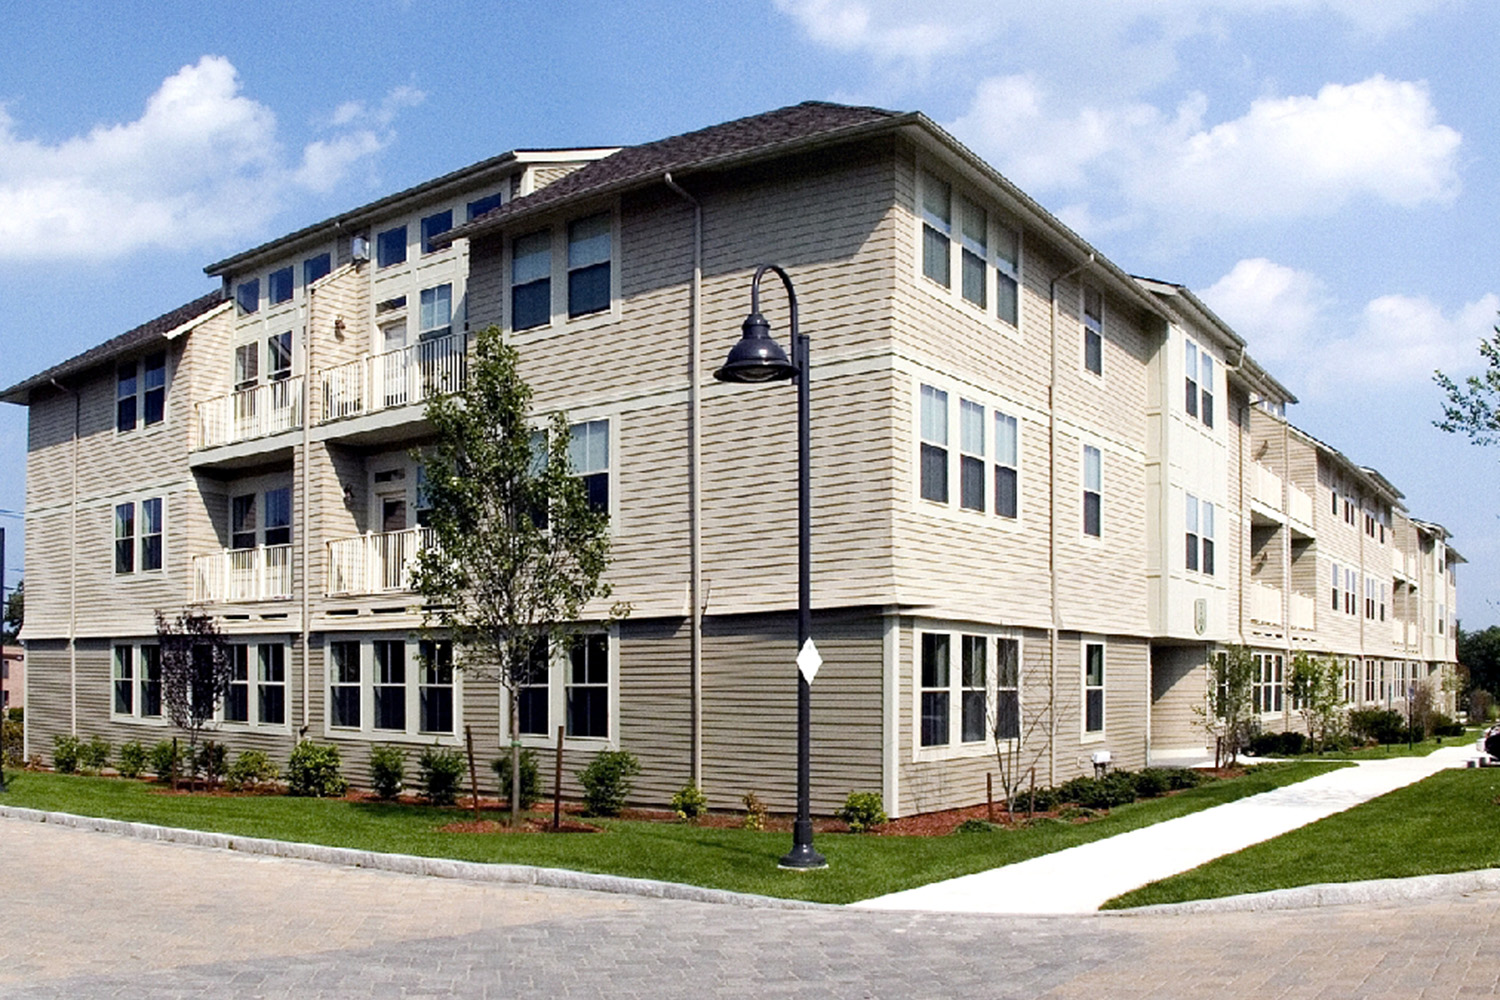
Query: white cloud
[
  {"x": 1293, "y": 325},
  {"x": 1284, "y": 158},
  {"x": 202, "y": 165}
]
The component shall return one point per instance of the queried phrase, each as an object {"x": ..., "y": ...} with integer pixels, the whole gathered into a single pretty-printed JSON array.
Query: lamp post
[{"x": 758, "y": 358}]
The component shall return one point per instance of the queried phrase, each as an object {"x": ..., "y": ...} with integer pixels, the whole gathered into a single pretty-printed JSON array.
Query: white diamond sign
[{"x": 808, "y": 661}]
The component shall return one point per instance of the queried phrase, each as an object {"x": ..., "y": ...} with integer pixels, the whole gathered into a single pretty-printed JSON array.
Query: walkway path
[{"x": 1080, "y": 879}]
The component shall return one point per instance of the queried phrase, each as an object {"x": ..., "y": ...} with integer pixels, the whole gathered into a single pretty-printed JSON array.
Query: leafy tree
[
  {"x": 1473, "y": 408},
  {"x": 196, "y": 669},
  {"x": 1317, "y": 693},
  {"x": 517, "y": 550},
  {"x": 1479, "y": 652},
  {"x": 1017, "y": 728},
  {"x": 15, "y": 613},
  {"x": 1229, "y": 714}
]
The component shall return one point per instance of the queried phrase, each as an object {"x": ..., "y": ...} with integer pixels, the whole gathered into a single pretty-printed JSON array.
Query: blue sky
[{"x": 1322, "y": 172}]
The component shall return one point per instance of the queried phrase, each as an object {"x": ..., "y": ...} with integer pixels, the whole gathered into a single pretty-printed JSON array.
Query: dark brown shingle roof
[
  {"x": 146, "y": 333},
  {"x": 743, "y": 137}
]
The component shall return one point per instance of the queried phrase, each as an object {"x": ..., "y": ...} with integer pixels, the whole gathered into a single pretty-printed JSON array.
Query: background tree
[
  {"x": 1473, "y": 408},
  {"x": 1229, "y": 714},
  {"x": 1317, "y": 693},
  {"x": 1479, "y": 652},
  {"x": 196, "y": 669},
  {"x": 517, "y": 550},
  {"x": 15, "y": 613}
]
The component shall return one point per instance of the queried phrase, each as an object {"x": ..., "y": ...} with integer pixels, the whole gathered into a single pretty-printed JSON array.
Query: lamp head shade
[{"x": 756, "y": 357}]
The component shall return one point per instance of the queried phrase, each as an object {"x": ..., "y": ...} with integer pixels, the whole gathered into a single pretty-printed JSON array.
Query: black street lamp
[{"x": 758, "y": 358}]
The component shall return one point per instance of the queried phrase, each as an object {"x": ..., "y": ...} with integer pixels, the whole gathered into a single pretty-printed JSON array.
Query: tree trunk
[{"x": 515, "y": 759}]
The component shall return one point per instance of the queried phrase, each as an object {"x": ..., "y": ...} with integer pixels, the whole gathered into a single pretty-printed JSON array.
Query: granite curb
[
  {"x": 1383, "y": 890},
  {"x": 411, "y": 864}
]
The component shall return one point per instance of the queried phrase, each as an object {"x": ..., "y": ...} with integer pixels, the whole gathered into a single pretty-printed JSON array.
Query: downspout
[
  {"x": 72, "y": 574},
  {"x": 1052, "y": 524},
  {"x": 695, "y": 550},
  {"x": 307, "y": 385}
]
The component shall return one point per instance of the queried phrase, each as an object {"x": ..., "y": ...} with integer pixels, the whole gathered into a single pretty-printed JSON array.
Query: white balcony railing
[
  {"x": 375, "y": 563},
  {"x": 396, "y": 378},
  {"x": 251, "y": 413},
  {"x": 1303, "y": 613},
  {"x": 1265, "y": 603},
  {"x": 1299, "y": 505},
  {"x": 263, "y": 573},
  {"x": 1265, "y": 486}
]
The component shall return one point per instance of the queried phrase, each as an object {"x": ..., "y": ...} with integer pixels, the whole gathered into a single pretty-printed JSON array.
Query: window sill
[{"x": 962, "y": 751}]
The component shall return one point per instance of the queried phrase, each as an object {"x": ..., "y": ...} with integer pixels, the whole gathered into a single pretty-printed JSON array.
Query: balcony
[
  {"x": 1265, "y": 604},
  {"x": 263, "y": 573},
  {"x": 1299, "y": 509},
  {"x": 257, "y": 412},
  {"x": 376, "y": 563},
  {"x": 397, "y": 378},
  {"x": 1265, "y": 487},
  {"x": 1303, "y": 612}
]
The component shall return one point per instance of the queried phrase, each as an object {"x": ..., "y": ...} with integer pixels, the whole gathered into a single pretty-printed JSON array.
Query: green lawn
[
  {"x": 739, "y": 860},
  {"x": 1387, "y": 750},
  {"x": 1445, "y": 823}
]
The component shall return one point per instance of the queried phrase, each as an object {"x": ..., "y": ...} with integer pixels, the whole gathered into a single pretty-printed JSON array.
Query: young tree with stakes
[
  {"x": 516, "y": 549},
  {"x": 1230, "y": 712},
  {"x": 196, "y": 670},
  {"x": 1316, "y": 693}
]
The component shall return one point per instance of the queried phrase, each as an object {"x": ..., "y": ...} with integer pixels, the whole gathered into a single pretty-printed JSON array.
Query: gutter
[
  {"x": 695, "y": 540},
  {"x": 72, "y": 574}
]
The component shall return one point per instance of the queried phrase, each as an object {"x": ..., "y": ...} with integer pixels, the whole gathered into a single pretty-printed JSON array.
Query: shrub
[
  {"x": 13, "y": 739},
  {"x": 65, "y": 753},
  {"x": 862, "y": 810},
  {"x": 1184, "y": 777},
  {"x": 1037, "y": 800},
  {"x": 166, "y": 759},
  {"x": 755, "y": 811},
  {"x": 1443, "y": 725},
  {"x": 1378, "y": 725},
  {"x": 1480, "y": 701},
  {"x": 690, "y": 803},
  {"x": 387, "y": 771},
  {"x": 1283, "y": 744},
  {"x": 1074, "y": 789},
  {"x": 315, "y": 770},
  {"x": 1114, "y": 789},
  {"x": 531, "y": 781},
  {"x": 439, "y": 773},
  {"x": 132, "y": 762},
  {"x": 93, "y": 756},
  {"x": 1151, "y": 782},
  {"x": 210, "y": 761},
  {"x": 977, "y": 826},
  {"x": 606, "y": 781},
  {"x": 252, "y": 769}
]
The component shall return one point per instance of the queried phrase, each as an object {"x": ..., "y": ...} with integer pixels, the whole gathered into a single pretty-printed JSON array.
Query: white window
[
  {"x": 263, "y": 518},
  {"x": 937, "y": 230},
  {"x": 434, "y": 226},
  {"x": 1206, "y": 374},
  {"x": 934, "y": 419},
  {"x": 963, "y": 705},
  {"x": 1093, "y": 687},
  {"x": 1008, "y": 689},
  {"x": 586, "y": 274},
  {"x": 136, "y": 682},
  {"x": 394, "y": 687},
  {"x": 141, "y": 392},
  {"x": 576, "y": 687},
  {"x": 345, "y": 685},
  {"x": 138, "y": 539},
  {"x": 974, "y": 253},
  {"x": 588, "y": 451},
  {"x": 1093, "y": 330},
  {"x": 1335, "y": 590},
  {"x": 971, "y": 455},
  {"x": 1190, "y": 550},
  {"x": 1190, "y": 372},
  {"x": 531, "y": 280},
  {"x": 985, "y": 251},
  {"x": 1351, "y": 592},
  {"x": 246, "y": 366},
  {"x": 1269, "y": 687},
  {"x": 279, "y": 285},
  {"x": 279, "y": 356},
  {"x": 435, "y": 686},
  {"x": 1206, "y": 528},
  {"x": 435, "y": 318},
  {"x": 247, "y": 296},
  {"x": 1093, "y": 492},
  {"x": 589, "y": 279},
  {"x": 937, "y": 688},
  {"x": 1007, "y": 449},
  {"x": 1008, "y": 274}
]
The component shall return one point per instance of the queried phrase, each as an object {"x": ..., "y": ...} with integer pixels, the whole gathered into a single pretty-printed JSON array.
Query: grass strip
[
  {"x": 1385, "y": 751},
  {"x": 860, "y": 866},
  {"x": 1445, "y": 823}
]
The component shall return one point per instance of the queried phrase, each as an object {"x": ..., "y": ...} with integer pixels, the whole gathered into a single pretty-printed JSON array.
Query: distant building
[{"x": 12, "y": 677}]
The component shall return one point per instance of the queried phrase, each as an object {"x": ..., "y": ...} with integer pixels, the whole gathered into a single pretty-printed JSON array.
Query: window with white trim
[
  {"x": 1335, "y": 589},
  {"x": 1351, "y": 682},
  {"x": 1268, "y": 690},
  {"x": 345, "y": 687},
  {"x": 575, "y": 687},
  {"x": 588, "y": 452},
  {"x": 1007, "y": 689},
  {"x": 1190, "y": 376},
  {"x": 1190, "y": 521},
  {"x": 141, "y": 392},
  {"x": 1093, "y": 330},
  {"x": 1008, "y": 275},
  {"x": 566, "y": 270},
  {"x": 434, "y": 226},
  {"x": 531, "y": 280},
  {"x": 1093, "y": 492},
  {"x": 1007, "y": 457},
  {"x": 589, "y": 242},
  {"x": 1206, "y": 388},
  {"x": 135, "y": 681},
  {"x": 246, "y": 366},
  {"x": 974, "y": 252},
  {"x": 247, "y": 296},
  {"x": 393, "y": 687},
  {"x": 124, "y": 681},
  {"x": 937, "y": 229},
  {"x": 958, "y": 233},
  {"x": 934, "y": 420},
  {"x": 1206, "y": 528},
  {"x": 315, "y": 267},
  {"x": 138, "y": 540},
  {"x": 937, "y": 695},
  {"x": 1351, "y": 592},
  {"x": 435, "y": 312},
  {"x": 279, "y": 285},
  {"x": 971, "y": 455},
  {"x": 390, "y": 247},
  {"x": 961, "y": 705},
  {"x": 1093, "y": 687},
  {"x": 1369, "y": 680},
  {"x": 974, "y": 687},
  {"x": 279, "y": 356},
  {"x": 435, "y": 686}
]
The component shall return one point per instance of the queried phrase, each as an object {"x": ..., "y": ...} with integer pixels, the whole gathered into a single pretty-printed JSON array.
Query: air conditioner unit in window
[{"x": 359, "y": 249}]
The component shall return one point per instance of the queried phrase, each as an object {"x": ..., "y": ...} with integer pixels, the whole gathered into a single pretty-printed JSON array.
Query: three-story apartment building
[{"x": 1045, "y": 491}]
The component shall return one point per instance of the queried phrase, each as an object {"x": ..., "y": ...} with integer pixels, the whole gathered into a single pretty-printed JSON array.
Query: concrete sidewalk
[{"x": 1080, "y": 879}]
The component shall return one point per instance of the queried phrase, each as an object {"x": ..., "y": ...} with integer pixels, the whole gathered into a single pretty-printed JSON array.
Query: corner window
[
  {"x": 1093, "y": 331},
  {"x": 1008, "y": 273},
  {"x": 390, "y": 247},
  {"x": 588, "y": 451},
  {"x": 433, "y": 226},
  {"x": 1093, "y": 492},
  {"x": 247, "y": 296},
  {"x": 1206, "y": 373},
  {"x": 488, "y": 203},
  {"x": 435, "y": 316},
  {"x": 315, "y": 267},
  {"x": 1093, "y": 687},
  {"x": 934, "y": 429},
  {"x": 279, "y": 285},
  {"x": 1190, "y": 377},
  {"x": 1007, "y": 689},
  {"x": 588, "y": 265},
  {"x": 531, "y": 281},
  {"x": 937, "y": 229}
]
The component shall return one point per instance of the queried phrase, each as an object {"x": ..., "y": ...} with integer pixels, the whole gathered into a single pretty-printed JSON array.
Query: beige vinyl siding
[
  {"x": 49, "y": 702},
  {"x": 1179, "y": 677}
]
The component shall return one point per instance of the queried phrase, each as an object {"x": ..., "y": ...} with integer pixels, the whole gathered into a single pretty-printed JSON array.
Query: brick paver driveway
[{"x": 92, "y": 915}]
